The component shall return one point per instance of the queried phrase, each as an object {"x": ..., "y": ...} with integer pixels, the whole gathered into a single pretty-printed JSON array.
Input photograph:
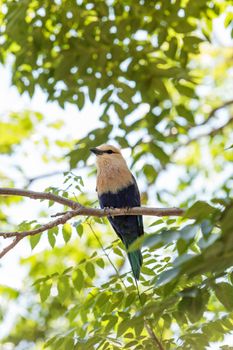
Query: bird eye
[{"x": 109, "y": 151}]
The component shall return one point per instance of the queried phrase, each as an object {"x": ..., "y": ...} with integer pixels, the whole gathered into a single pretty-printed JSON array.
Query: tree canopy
[{"x": 160, "y": 73}]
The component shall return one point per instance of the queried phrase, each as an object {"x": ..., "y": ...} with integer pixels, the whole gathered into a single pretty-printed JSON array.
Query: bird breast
[{"x": 112, "y": 177}]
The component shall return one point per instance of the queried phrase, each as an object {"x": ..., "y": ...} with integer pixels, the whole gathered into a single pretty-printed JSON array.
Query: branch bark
[
  {"x": 39, "y": 195},
  {"x": 151, "y": 333},
  {"x": 77, "y": 210},
  {"x": 10, "y": 246}
]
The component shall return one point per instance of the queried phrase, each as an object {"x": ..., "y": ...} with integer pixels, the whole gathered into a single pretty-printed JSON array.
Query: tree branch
[
  {"x": 78, "y": 210},
  {"x": 212, "y": 113},
  {"x": 211, "y": 133},
  {"x": 43, "y": 176},
  {"x": 39, "y": 195},
  {"x": 85, "y": 211},
  {"x": 151, "y": 333},
  {"x": 10, "y": 246},
  {"x": 60, "y": 221}
]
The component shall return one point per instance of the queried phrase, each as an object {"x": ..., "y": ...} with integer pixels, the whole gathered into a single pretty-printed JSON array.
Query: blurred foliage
[
  {"x": 159, "y": 76},
  {"x": 16, "y": 127}
]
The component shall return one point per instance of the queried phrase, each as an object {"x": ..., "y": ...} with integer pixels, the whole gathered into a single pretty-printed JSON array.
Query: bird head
[
  {"x": 112, "y": 171},
  {"x": 105, "y": 150},
  {"x": 108, "y": 154}
]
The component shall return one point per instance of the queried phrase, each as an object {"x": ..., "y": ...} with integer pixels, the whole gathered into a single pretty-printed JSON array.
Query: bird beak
[{"x": 96, "y": 151}]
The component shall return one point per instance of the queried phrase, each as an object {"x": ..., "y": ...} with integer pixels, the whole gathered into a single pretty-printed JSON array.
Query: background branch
[
  {"x": 212, "y": 113},
  {"x": 43, "y": 176},
  {"x": 210, "y": 133}
]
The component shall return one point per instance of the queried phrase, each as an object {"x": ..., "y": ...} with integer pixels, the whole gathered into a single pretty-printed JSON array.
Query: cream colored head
[
  {"x": 108, "y": 155},
  {"x": 112, "y": 170}
]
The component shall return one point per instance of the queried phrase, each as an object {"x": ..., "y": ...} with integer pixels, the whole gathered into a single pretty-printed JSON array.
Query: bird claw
[
  {"x": 106, "y": 209},
  {"x": 127, "y": 208}
]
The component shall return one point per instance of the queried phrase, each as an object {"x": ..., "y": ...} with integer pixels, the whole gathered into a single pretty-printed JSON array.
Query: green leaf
[
  {"x": 102, "y": 300},
  {"x": 167, "y": 276},
  {"x": 171, "y": 52},
  {"x": 155, "y": 240},
  {"x": 51, "y": 238},
  {"x": 78, "y": 279},
  {"x": 185, "y": 90},
  {"x": 194, "y": 305},
  {"x": 123, "y": 327},
  {"x": 119, "y": 110},
  {"x": 45, "y": 290},
  {"x": 189, "y": 232},
  {"x": 63, "y": 288},
  {"x": 227, "y": 222},
  {"x": 81, "y": 100},
  {"x": 192, "y": 43},
  {"x": 50, "y": 341},
  {"x": 183, "y": 26},
  {"x": 92, "y": 93},
  {"x": 100, "y": 263},
  {"x": 200, "y": 211},
  {"x": 185, "y": 113},
  {"x": 89, "y": 267},
  {"x": 111, "y": 323},
  {"x": 66, "y": 232},
  {"x": 79, "y": 229},
  {"x": 106, "y": 96},
  {"x": 130, "y": 299},
  {"x": 138, "y": 325},
  {"x": 206, "y": 227},
  {"x": 34, "y": 240},
  {"x": 157, "y": 222},
  {"x": 224, "y": 293}
]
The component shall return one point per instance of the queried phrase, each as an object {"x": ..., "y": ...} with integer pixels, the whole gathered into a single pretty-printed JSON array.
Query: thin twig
[
  {"x": 152, "y": 334},
  {"x": 212, "y": 113},
  {"x": 43, "y": 176},
  {"x": 147, "y": 323},
  {"x": 10, "y": 246},
  {"x": 60, "y": 221},
  {"x": 106, "y": 254},
  {"x": 211, "y": 133}
]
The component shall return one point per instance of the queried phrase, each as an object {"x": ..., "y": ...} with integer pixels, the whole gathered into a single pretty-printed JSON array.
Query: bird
[{"x": 117, "y": 188}]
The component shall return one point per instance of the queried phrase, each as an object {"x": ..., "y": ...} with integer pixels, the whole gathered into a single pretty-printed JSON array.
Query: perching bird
[{"x": 117, "y": 188}]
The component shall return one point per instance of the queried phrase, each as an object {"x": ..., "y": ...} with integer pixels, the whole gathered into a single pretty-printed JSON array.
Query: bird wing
[
  {"x": 128, "y": 228},
  {"x": 138, "y": 204}
]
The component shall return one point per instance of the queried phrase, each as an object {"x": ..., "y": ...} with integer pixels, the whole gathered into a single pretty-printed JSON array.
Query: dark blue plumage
[{"x": 128, "y": 228}]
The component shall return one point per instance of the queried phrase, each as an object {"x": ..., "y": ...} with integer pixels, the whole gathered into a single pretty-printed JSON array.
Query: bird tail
[{"x": 135, "y": 259}]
